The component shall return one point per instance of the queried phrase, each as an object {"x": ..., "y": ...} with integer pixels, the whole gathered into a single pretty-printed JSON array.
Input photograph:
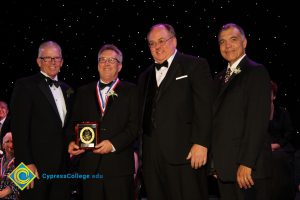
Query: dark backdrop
[{"x": 81, "y": 27}]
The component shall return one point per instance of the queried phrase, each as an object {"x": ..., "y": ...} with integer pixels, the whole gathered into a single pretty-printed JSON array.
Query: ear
[
  {"x": 39, "y": 62},
  {"x": 245, "y": 43},
  {"x": 175, "y": 41},
  {"x": 62, "y": 62},
  {"x": 119, "y": 67}
]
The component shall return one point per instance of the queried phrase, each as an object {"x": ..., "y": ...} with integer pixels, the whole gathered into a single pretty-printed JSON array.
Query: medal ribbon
[{"x": 100, "y": 98}]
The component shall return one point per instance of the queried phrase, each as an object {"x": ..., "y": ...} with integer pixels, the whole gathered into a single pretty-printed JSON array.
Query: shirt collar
[
  {"x": 2, "y": 121},
  {"x": 170, "y": 59},
  {"x": 235, "y": 64},
  {"x": 55, "y": 78}
]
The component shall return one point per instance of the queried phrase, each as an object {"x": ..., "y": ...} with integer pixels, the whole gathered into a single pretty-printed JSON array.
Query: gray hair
[
  {"x": 168, "y": 27},
  {"x": 47, "y": 44},
  {"x": 113, "y": 48}
]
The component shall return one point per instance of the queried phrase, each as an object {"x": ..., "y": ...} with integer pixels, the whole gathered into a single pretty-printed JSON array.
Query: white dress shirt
[
  {"x": 59, "y": 100},
  {"x": 162, "y": 72}
]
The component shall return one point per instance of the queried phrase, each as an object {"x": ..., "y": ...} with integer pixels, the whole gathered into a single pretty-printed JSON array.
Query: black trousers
[
  {"x": 164, "y": 181},
  {"x": 108, "y": 188},
  {"x": 57, "y": 189},
  {"x": 231, "y": 191}
]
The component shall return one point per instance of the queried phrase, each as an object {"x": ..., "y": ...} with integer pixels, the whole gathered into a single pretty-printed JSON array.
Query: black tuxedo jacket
[
  {"x": 241, "y": 114},
  {"x": 38, "y": 133},
  {"x": 119, "y": 124},
  {"x": 182, "y": 113}
]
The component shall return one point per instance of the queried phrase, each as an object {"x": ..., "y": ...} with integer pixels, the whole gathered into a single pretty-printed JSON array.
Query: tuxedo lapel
[
  {"x": 112, "y": 99},
  {"x": 67, "y": 92},
  {"x": 47, "y": 92},
  {"x": 224, "y": 86}
]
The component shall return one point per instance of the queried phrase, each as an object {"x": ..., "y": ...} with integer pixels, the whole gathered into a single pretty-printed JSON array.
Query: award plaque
[{"x": 87, "y": 134}]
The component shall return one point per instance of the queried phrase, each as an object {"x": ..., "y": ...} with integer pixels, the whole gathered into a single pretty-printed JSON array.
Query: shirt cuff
[{"x": 113, "y": 148}]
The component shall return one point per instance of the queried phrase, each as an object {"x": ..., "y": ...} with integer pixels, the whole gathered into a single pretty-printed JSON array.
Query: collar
[
  {"x": 235, "y": 64},
  {"x": 55, "y": 78},
  {"x": 2, "y": 121},
  {"x": 170, "y": 59}
]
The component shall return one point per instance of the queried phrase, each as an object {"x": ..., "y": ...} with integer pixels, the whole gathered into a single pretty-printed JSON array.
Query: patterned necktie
[
  {"x": 159, "y": 65},
  {"x": 227, "y": 75}
]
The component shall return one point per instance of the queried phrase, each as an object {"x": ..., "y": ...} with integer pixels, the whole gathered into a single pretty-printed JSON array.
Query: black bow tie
[
  {"x": 103, "y": 85},
  {"x": 52, "y": 82},
  {"x": 158, "y": 66}
]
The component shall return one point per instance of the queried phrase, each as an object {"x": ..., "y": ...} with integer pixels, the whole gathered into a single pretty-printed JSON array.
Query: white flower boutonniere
[
  {"x": 237, "y": 70},
  {"x": 112, "y": 93}
]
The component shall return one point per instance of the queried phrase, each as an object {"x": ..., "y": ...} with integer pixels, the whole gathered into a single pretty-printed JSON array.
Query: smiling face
[
  {"x": 50, "y": 67},
  {"x": 8, "y": 145},
  {"x": 109, "y": 65},
  {"x": 162, "y": 43},
  {"x": 232, "y": 44}
]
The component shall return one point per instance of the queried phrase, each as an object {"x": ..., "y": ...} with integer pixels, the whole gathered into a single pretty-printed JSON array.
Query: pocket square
[{"x": 180, "y": 77}]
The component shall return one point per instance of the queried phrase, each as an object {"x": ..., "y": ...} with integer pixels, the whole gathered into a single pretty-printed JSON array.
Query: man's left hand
[
  {"x": 244, "y": 178},
  {"x": 103, "y": 147},
  {"x": 198, "y": 156}
]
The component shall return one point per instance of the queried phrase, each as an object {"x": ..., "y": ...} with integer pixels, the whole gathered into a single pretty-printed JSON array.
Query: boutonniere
[
  {"x": 237, "y": 70},
  {"x": 69, "y": 92},
  {"x": 112, "y": 93}
]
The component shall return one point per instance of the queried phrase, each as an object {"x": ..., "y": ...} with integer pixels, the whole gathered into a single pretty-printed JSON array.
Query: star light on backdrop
[{"x": 81, "y": 27}]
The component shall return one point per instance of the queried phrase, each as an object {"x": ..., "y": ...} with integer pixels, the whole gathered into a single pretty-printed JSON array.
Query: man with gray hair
[
  {"x": 112, "y": 104},
  {"x": 39, "y": 109}
]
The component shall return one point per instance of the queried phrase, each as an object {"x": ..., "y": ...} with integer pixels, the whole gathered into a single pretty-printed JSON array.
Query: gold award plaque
[{"x": 87, "y": 134}]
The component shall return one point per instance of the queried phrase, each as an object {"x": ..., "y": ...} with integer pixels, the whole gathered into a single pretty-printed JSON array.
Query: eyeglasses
[
  {"x": 50, "y": 59},
  {"x": 109, "y": 60},
  {"x": 160, "y": 42}
]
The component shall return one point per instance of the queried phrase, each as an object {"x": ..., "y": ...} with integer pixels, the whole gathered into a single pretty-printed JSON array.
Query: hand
[
  {"x": 244, "y": 178},
  {"x": 74, "y": 149},
  {"x": 103, "y": 147},
  {"x": 34, "y": 170},
  {"x": 5, "y": 192},
  {"x": 275, "y": 146},
  {"x": 198, "y": 156}
]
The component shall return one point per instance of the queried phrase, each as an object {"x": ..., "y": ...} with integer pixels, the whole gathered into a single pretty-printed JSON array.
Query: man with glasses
[
  {"x": 39, "y": 109},
  {"x": 113, "y": 105},
  {"x": 175, "y": 108}
]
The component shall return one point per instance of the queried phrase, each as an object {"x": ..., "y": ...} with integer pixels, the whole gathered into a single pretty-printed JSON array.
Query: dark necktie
[
  {"x": 227, "y": 75},
  {"x": 103, "y": 85},
  {"x": 164, "y": 64},
  {"x": 52, "y": 82}
]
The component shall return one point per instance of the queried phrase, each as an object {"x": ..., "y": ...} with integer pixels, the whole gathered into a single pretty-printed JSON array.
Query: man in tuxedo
[
  {"x": 112, "y": 104},
  {"x": 39, "y": 109},
  {"x": 4, "y": 120},
  {"x": 175, "y": 108},
  {"x": 241, "y": 150}
]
